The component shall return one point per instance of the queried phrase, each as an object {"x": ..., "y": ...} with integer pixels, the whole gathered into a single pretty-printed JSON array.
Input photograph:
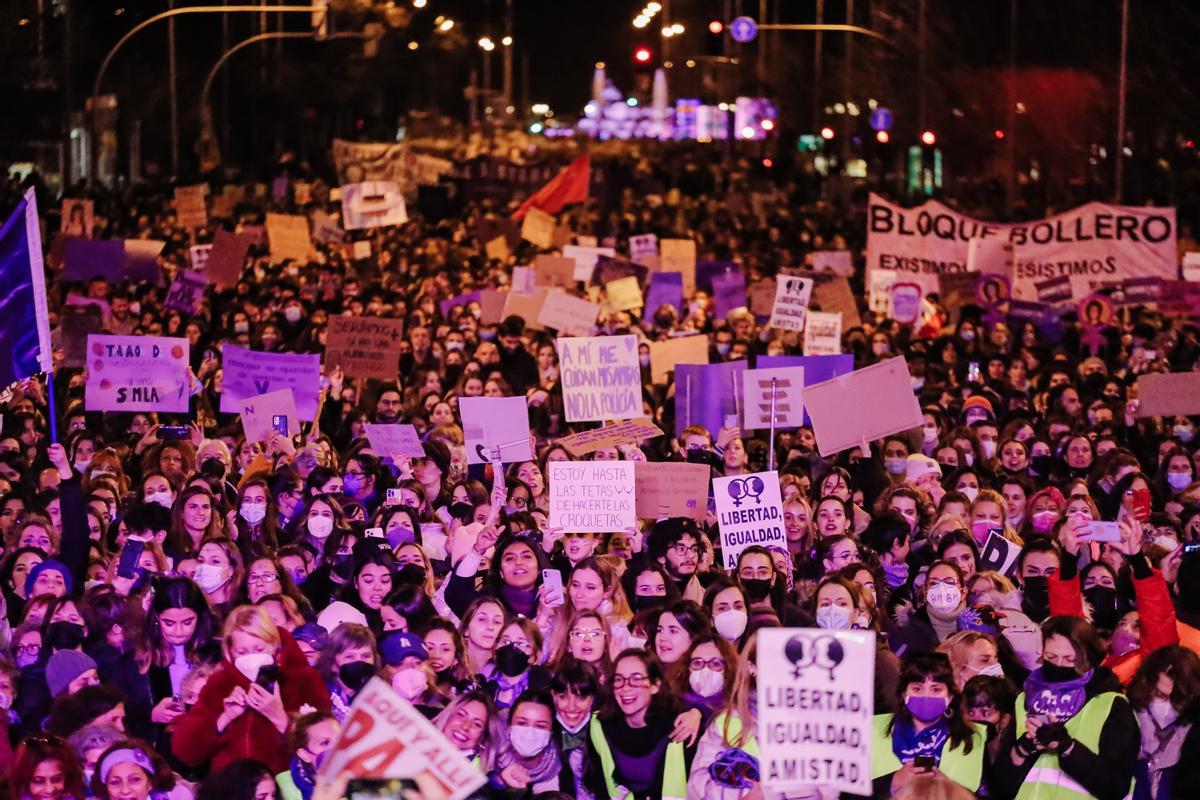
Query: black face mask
[
  {"x": 1106, "y": 606},
  {"x": 64, "y": 635},
  {"x": 511, "y": 661},
  {"x": 213, "y": 468},
  {"x": 462, "y": 511},
  {"x": 1041, "y": 465},
  {"x": 411, "y": 573},
  {"x": 354, "y": 676},
  {"x": 645, "y": 602},
  {"x": 1036, "y": 597},
  {"x": 1054, "y": 673},
  {"x": 757, "y": 588},
  {"x": 342, "y": 565}
]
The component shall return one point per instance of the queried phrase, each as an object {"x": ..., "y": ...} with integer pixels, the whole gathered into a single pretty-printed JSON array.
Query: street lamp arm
[{"x": 828, "y": 28}]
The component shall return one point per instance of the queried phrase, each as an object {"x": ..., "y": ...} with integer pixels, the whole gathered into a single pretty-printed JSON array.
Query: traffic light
[
  {"x": 827, "y": 133},
  {"x": 643, "y": 55},
  {"x": 928, "y": 138}
]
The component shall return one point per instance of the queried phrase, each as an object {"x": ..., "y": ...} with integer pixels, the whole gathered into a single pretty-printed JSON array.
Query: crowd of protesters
[{"x": 194, "y": 617}]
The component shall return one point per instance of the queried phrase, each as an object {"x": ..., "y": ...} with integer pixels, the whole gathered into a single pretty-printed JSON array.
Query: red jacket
[
  {"x": 1156, "y": 613},
  {"x": 195, "y": 740}
]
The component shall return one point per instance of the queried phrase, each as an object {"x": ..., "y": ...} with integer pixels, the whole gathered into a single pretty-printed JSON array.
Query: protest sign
[
  {"x": 249, "y": 373},
  {"x": 186, "y": 292},
  {"x": 495, "y": 422},
  {"x": 817, "y": 369},
  {"x": 141, "y": 260},
  {"x": 1168, "y": 394},
  {"x": 792, "y": 295},
  {"x": 591, "y": 496},
  {"x": 879, "y": 291},
  {"x": 526, "y": 306},
  {"x": 990, "y": 256},
  {"x": 364, "y": 347},
  {"x": 619, "y": 433},
  {"x": 705, "y": 394},
  {"x": 664, "y": 289},
  {"x": 327, "y": 229},
  {"x": 84, "y": 259},
  {"x": 870, "y": 403},
  {"x": 839, "y": 262},
  {"x": 538, "y": 229},
  {"x": 523, "y": 280},
  {"x": 624, "y": 294},
  {"x": 287, "y": 235},
  {"x": 609, "y": 269},
  {"x": 461, "y": 301},
  {"x": 567, "y": 313},
  {"x": 198, "y": 256},
  {"x": 554, "y": 271},
  {"x": 815, "y": 710},
  {"x": 385, "y": 736},
  {"x": 227, "y": 258},
  {"x": 729, "y": 293},
  {"x": 600, "y": 377},
  {"x": 137, "y": 373},
  {"x": 265, "y": 414},
  {"x": 585, "y": 258},
  {"x": 390, "y": 441},
  {"x": 1054, "y": 290},
  {"x": 643, "y": 249},
  {"x": 76, "y": 323},
  {"x": 749, "y": 512},
  {"x": 665, "y": 355},
  {"x": 497, "y": 249},
  {"x": 1093, "y": 242},
  {"x": 78, "y": 217},
  {"x": 761, "y": 297},
  {"x": 372, "y": 204},
  {"x": 904, "y": 302},
  {"x": 672, "y": 489},
  {"x": 789, "y": 402},
  {"x": 837, "y": 296},
  {"x": 491, "y": 306},
  {"x": 823, "y": 333},
  {"x": 956, "y": 289},
  {"x": 998, "y": 555},
  {"x": 190, "y": 208},
  {"x": 1191, "y": 266},
  {"x": 679, "y": 255},
  {"x": 360, "y": 250}
]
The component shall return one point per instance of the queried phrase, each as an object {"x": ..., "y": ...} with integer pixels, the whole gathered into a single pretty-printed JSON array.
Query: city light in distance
[
  {"x": 928, "y": 138},
  {"x": 641, "y": 55},
  {"x": 716, "y": 26},
  {"x": 420, "y": 3},
  {"x": 827, "y": 132},
  {"x": 768, "y": 124},
  {"x": 883, "y": 137}
]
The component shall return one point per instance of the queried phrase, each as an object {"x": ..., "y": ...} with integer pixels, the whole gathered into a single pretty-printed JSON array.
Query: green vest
[
  {"x": 1046, "y": 779},
  {"x": 287, "y": 786},
  {"x": 734, "y": 730},
  {"x": 674, "y": 783},
  {"x": 965, "y": 769}
]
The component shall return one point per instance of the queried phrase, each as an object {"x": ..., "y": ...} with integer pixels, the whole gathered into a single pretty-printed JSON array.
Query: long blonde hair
[{"x": 744, "y": 687}]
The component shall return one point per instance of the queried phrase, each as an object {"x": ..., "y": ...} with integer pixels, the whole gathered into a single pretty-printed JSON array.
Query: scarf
[
  {"x": 907, "y": 743},
  {"x": 545, "y": 764},
  {"x": 521, "y": 601},
  {"x": 1056, "y": 701},
  {"x": 304, "y": 775}
]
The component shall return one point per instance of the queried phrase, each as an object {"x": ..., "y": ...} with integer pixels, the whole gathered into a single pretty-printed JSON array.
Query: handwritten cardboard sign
[
  {"x": 672, "y": 489},
  {"x": 585, "y": 258},
  {"x": 554, "y": 271},
  {"x": 729, "y": 292},
  {"x": 372, "y": 204},
  {"x": 567, "y": 313},
  {"x": 837, "y": 296},
  {"x": 872, "y": 402},
  {"x": 665, "y": 289},
  {"x": 838, "y": 262},
  {"x": 1168, "y": 394},
  {"x": 526, "y": 306},
  {"x": 591, "y": 496},
  {"x": 679, "y": 255},
  {"x": 227, "y": 258},
  {"x": 137, "y": 373},
  {"x": 665, "y": 355},
  {"x": 390, "y": 441},
  {"x": 538, "y": 229},
  {"x": 260, "y": 413},
  {"x": 792, "y": 295},
  {"x": 186, "y": 292},
  {"x": 624, "y": 294},
  {"x": 249, "y": 373},
  {"x": 287, "y": 235},
  {"x": 643, "y": 249},
  {"x": 364, "y": 347},
  {"x": 495, "y": 422},
  {"x": 823, "y": 333},
  {"x": 497, "y": 249},
  {"x": 628, "y": 432},
  {"x": 190, "y": 208},
  {"x": 600, "y": 377}
]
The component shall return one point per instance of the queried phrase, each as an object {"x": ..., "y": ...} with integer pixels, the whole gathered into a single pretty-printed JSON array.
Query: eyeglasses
[
  {"x": 266, "y": 577},
  {"x": 715, "y": 664},
  {"x": 580, "y": 635},
  {"x": 686, "y": 549},
  {"x": 951, "y": 582},
  {"x": 523, "y": 646},
  {"x": 637, "y": 680},
  {"x": 29, "y": 649}
]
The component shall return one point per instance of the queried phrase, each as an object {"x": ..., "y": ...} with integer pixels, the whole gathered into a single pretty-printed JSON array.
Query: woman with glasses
[
  {"x": 587, "y": 639},
  {"x": 936, "y": 620},
  {"x": 633, "y": 744},
  {"x": 710, "y": 665},
  {"x": 515, "y": 666}
]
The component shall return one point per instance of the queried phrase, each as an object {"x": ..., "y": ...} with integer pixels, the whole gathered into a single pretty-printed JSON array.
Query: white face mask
[
  {"x": 896, "y": 466},
  {"x": 994, "y": 670},
  {"x": 989, "y": 448},
  {"x": 706, "y": 683},
  {"x": 210, "y": 577},
  {"x": 410, "y": 683},
  {"x": 930, "y": 433},
  {"x": 637, "y": 642},
  {"x": 253, "y": 513},
  {"x": 1179, "y": 480},
  {"x": 943, "y": 598},
  {"x": 833, "y": 618},
  {"x": 528, "y": 741},
  {"x": 730, "y": 624},
  {"x": 162, "y": 498},
  {"x": 251, "y": 663},
  {"x": 320, "y": 527},
  {"x": 971, "y": 492},
  {"x": 1162, "y": 712}
]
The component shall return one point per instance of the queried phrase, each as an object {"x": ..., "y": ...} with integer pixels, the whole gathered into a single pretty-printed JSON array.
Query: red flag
[{"x": 568, "y": 186}]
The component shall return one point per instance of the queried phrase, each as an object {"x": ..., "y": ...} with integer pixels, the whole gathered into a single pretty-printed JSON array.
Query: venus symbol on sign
[
  {"x": 746, "y": 487},
  {"x": 822, "y": 652}
]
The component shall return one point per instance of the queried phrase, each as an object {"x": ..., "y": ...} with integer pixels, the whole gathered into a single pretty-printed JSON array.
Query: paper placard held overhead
[
  {"x": 792, "y": 295},
  {"x": 538, "y": 229},
  {"x": 364, "y": 347},
  {"x": 372, "y": 204},
  {"x": 391, "y": 441},
  {"x": 567, "y": 313},
  {"x": 136, "y": 373},
  {"x": 288, "y": 237},
  {"x": 248, "y": 373},
  {"x": 600, "y": 377},
  {"x": 259, "y": 414},
  {"x": 1167, "y": 394},
  {"x": 873, "y": 402},
  {"x": 554, "y": 271},
  {"x": 496, "y": 422},
  {"x": 789, "y": 403},
  {"x": 190, "y": 208},
  {"x": 822, "y": 333},
  {"x": 749, "y": 512},
  {"x": 591, "y": 496},
  {"x": 585, "y": 258},
  {"x": 667, "y": 354},
  {"x": 672, "y": 489},
  {"x": 679, "y": 255},
  {"x": 629, "y": 432}
]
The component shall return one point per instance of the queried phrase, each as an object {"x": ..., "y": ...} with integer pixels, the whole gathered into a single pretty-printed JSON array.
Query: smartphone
[
  {"x": 381, "y": 789},
  {"x": 173, "y": 432},
  {"x": 280, "y": 423},
  {"x": 393, "y": 498},
  {"x": 1141, "y": 505},
  {"x": 1191, "y": 548},
  {"x": 553, "y": 579},
  {"x": 130, "y": 555},
  {"x": 924, "y": 763},
  {"x": 731, "y": 420},
  {"x": 973, "y": 375},
  {"x": 374, "y": 533},
  {"x": 1101, "y": 531},
  {"x": 267, "y": 677}
]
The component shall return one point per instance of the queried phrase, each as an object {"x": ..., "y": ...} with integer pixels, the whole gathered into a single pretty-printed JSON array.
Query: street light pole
[
  {"x": 1010, "y": 187},
  {"x": 1122, "y": 86},
  {"x": 174, "y": 91}
]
